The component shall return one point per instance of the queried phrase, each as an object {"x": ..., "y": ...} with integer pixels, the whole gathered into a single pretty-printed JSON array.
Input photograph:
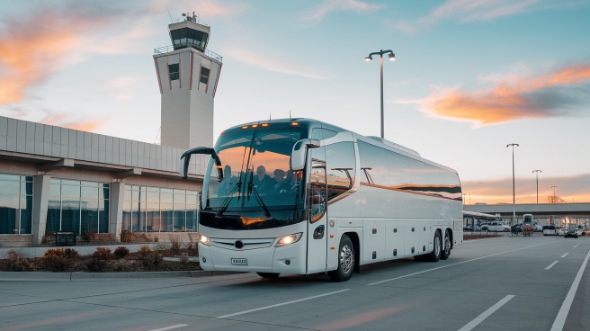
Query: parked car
[
  {"x": 550, "y": 230},
  {"x": 571, "y": 231},
  {"x": 495, "y": 226}
]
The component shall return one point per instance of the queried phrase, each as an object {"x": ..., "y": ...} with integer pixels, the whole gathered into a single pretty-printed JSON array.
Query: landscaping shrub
[
  {"x": 121, "y": 252},
  {"x": 56, "y": 259},
  {"x": 96, "y": 265},
  {"x": 102, "y": 253},
  {"x": 17, "y": 263},
  {"x": 150, "y": 259},
  {"x": 71, "y": 253},
  {"x": 175, "y": 244}
]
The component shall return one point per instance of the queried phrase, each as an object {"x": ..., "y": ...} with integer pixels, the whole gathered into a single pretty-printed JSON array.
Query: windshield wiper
[
  {"x": 230, "y": 196},
  {"x": 251, "y": 189}
]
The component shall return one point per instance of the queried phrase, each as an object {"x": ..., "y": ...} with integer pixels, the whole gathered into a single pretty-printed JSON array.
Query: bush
[
  {"x": 150, "y": 259},
  {"x": 144, "y": 250},
  {"x": 56, "y": 259},
  {"x": 71, "y": 253},
  {"x": 175, "y": 244},
  {"x": 17, "y": 263},
  {"x": 121, "y": 252},
  {"x": 102, "y": 253},
  {"x": 96, "y": 265}
]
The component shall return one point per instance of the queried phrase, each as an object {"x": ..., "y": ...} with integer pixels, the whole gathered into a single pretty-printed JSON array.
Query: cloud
[
  {"x": 35, "y": 46},
  {"x": 464, "y": 11},
  {"x": 571, "y": 189},
  {"x": 330, "y": 6},
  {"x": 272, "y": 63},
  {"x": 556, "y": 93}
]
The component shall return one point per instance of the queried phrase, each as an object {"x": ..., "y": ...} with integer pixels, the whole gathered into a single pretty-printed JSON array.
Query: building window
[
  {"x": 78, "y": 206},
  {"x": 204, "y": 75},
  {"x": 153, "y": 209},
  {"x": 173, "y": 70},
  {"x": 16, "y": 204}
]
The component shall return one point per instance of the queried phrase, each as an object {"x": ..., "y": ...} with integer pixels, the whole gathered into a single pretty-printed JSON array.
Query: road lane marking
[
  {"x": 567, "y": 303},
  {"x": 476, "y": 321},
  {"x": 281, "y": 304},
  {"x": 577, "y": 245},
  {"x": 564, "y": 255},
  {"x": 170, "y": 327},
  {"x": 551, "y": 265},
  {"x": 455, "y": 264}
]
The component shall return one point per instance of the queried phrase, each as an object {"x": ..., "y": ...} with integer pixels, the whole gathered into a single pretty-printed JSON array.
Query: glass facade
[
  {"x": 16, "y": 204},
  {"x": 78, "y": 206},
  {"x": 153, "y": 209}
]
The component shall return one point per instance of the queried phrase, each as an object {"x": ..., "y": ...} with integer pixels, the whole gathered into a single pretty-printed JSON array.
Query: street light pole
[
  {"x": 554, "y": 196},
  {"x": 536, "y": 172},
  {"x": 391, "y": 58},
  {"x": 513, "y": 185}
]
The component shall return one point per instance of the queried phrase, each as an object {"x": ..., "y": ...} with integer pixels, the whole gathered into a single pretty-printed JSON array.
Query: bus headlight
[
  {"x": 290, "y": 239},
  {"x": 205, "y": 240}
]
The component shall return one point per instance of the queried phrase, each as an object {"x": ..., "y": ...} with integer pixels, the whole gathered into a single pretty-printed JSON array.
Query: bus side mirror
[
  {"x": 299, "y": 153},
  {"x": 185, "y": 159}
]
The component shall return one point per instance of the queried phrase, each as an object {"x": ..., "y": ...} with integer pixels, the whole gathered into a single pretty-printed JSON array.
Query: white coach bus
[{"x": 299, "y": 196}]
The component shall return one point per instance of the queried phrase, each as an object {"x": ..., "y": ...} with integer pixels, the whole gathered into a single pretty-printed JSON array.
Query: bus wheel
[
  {"x": 437, "y": 249},
  {"x": 346, "y": 261},
  {"x": 270, "y": 275},
  {"x": 446, "y": 252}
]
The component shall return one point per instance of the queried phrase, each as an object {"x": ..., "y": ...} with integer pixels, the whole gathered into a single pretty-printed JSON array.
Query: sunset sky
[{"x": 470, "y": 76}]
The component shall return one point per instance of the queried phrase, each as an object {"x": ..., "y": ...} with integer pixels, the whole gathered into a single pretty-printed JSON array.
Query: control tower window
[
  {"x": 183, "y": 38},
  {"x": 204, "y": 75},
  {"x": 173, "y": 70}
]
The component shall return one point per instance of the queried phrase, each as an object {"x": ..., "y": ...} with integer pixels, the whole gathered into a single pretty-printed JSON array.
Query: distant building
[
  {"x": 543, "y": 213},
  {"x": 54, "y": 179}
]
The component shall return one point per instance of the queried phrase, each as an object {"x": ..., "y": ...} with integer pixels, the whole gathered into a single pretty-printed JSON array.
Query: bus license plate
[{"x": 239, "y": 261}]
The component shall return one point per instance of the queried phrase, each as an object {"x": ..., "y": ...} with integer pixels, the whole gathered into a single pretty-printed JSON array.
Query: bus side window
[
  {"x": 317, "y": 192},
  {"x": 341, "y": 168}
]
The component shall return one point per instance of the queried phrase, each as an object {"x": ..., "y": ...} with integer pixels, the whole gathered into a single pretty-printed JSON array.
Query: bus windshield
[{"x": 258, "y": 190}]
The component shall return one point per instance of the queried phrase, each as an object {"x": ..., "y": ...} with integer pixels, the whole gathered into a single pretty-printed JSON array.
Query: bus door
[{"x": 317, "y": 240}]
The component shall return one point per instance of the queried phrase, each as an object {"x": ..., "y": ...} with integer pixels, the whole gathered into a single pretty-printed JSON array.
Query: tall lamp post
[
  {"x": 554, "y": 196},
  {"x": 513, "y": 185},
  {"x": 391, "y": 58},
  {"x": 536, "y": 172}
]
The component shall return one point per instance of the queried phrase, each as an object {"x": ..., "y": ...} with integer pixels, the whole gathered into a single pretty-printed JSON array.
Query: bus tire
[
  {"x": 346, "y": 261},
  {"x": 269, "y": 275},
  {"x": 446, "y": 251},
  {"x": 434, "y": 256}
]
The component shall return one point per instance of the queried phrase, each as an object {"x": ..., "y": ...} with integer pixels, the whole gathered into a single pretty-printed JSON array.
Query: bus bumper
[{"x": 290, "y": 259}]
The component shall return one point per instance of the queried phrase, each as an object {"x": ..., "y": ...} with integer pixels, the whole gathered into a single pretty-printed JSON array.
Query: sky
[{"x": 470, "y": 76}]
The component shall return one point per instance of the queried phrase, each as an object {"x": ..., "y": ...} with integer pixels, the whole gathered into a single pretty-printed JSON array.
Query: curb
[{"x": 70, "y": 276}]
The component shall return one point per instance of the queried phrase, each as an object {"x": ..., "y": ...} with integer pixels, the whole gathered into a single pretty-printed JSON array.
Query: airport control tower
[{"x": 188, "y": 74}]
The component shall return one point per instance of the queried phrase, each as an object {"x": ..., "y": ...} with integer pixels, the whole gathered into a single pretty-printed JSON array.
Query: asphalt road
[{"x": 506, "y": 283}]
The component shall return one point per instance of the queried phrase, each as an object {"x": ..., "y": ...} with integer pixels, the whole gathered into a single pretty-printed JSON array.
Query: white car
[
  {"x": 495, "y": 227},
  {"x": 550, "y": 230}
]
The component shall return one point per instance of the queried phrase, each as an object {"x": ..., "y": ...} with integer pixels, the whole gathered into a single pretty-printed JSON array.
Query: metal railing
[{"x": 170, "y": 48}]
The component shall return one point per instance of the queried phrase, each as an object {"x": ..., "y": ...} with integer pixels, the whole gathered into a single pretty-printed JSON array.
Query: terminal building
[
  {"x": 543, "y": 213},
  {"x": 55, "y": 179}
]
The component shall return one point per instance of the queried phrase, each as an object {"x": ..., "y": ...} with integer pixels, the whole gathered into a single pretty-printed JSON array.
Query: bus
[{"x": 300, "y": 196}]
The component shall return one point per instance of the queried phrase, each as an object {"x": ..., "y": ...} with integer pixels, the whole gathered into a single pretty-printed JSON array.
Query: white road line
[
  {"x": 170, "y": 327},
  {"x": 567, "y": 303},
  {"x": 281, "y": 304},
  {"x": 476, "y": 321},
  {"x": 577, "y": 245},
  {"x": 455, "y": 264},
  {"x": 564, "y": 255},
  {"x": 551, "y": 265}
]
